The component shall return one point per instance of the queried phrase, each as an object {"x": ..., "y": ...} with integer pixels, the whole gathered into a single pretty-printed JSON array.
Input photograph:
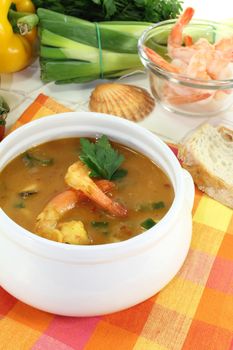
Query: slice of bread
[{"x": 208, "y": 155}]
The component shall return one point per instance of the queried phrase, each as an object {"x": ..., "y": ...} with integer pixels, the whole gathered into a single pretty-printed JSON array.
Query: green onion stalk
[{"x": 74, "y": 50}]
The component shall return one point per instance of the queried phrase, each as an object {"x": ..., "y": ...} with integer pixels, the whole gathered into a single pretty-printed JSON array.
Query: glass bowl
[{"x": 180, "y": 93}]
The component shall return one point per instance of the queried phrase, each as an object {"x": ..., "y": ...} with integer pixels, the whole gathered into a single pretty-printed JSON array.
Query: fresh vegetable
[
  {"x": 150, "y": 206},
  {"x": 158, "y": 205},
  {"x": 19, "y": 205},
  {"x": 22, "y": 22},
  {"x": 16, "y": 51},
  {"x": 4, "y": 110},
  {"x": 101, "y": 158},
  {"x": 100, "y": 224},
  {"x": 123, "y": 10},
  {"x": 148, "y": 223},
  {"x": 31, "y": 161},
  {"x": 73, "y": 50}
]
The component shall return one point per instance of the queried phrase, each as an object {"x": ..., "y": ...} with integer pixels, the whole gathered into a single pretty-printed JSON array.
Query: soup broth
[{"x": 32, "y": 179}]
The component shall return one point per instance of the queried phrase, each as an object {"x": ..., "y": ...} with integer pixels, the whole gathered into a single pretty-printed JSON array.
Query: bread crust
[{"x": 207, "y": 182}]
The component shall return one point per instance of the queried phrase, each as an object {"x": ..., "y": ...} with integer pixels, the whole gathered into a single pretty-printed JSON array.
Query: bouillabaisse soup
[{"x": 81, "y": 191}]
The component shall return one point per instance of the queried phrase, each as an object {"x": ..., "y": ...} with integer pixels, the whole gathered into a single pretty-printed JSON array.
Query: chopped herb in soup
[{"x": 81, "y": 191}]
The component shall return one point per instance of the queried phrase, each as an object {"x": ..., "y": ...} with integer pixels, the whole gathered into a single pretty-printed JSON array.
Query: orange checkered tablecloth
[{"x": 193, "y": 312}]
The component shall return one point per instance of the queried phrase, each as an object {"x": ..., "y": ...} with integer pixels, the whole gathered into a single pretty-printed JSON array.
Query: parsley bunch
[{"x": 121, "y": 10}]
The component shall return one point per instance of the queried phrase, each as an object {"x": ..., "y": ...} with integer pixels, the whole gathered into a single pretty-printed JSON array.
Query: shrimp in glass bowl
[{"x": 190, "y": 64}]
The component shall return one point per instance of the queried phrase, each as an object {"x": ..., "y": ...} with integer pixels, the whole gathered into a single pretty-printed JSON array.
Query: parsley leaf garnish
[{"x": 101, "y": 158}]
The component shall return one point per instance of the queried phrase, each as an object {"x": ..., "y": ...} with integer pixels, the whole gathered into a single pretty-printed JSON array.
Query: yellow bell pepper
[{"x": 16, "y": 51}]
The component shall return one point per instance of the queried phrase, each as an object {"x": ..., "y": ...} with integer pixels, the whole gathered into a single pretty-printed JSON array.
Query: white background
[{"x": 211, "y": 9}]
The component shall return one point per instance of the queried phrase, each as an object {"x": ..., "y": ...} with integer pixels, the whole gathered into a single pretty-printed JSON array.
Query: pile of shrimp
[
  {"x": 81, "y": 187},
  {"x": 198, "y": 60}
]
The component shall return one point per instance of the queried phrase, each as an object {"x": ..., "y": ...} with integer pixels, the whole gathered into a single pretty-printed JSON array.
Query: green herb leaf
[
  {"x": 99, "y": 224},
  {"x": 19, "y": 205},
  {"x": 125, "y": 10},
  {"x": 150, "y": 206},
  {"x": 30, "y": 160},
  {"x": 148, "y": 223},
  {"x": 100, "y": 157},
  {"x": 4, "y": 108},
  {"x": 143, "y": 207},
  {"x": 158, "y": 205},
  {"x": 119, "y": 174}
]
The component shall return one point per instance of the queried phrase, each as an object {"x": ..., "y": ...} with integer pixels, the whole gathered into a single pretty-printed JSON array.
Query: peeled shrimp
[
  {"x": 217, "y": 56},
  {"x": 175, "y": 38},
  {"x": 196, "y": 60},
  {"x": 160, "y": 61},
  {"x": 78, "y": 178},
  {"x": 178, "y": 99},
  {"x": 196, "y": 69},
  {"x": 73, "y": 232},
  {"x": 217, "y": 63},
  {"x": 225, "y": 45},
  {"x": 203, "y": 44}
]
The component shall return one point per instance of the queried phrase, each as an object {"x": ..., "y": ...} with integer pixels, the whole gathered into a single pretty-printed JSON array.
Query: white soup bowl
[{"x": 93, "y": 280}]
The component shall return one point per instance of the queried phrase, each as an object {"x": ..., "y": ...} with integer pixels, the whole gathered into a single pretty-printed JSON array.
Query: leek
[
  {"x": 69, "y": 48},
  {"x": 22, "y": 22}
]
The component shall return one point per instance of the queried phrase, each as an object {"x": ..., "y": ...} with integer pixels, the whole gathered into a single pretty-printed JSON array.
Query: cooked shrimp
[
  {"x": 78, "y": 178},
  {"x": 160, "y": 61},
  {"x": 203, "y": 44},
  {"x": 73, "y": 232},
  {"x": 188, "y": 40},
  {"x": 180, "y": 64},
  {"x": 216, "y": 64},
  {"x": 197, "y": 67},
  {"x": 198, "y": 60},
  {"x": 47, "y": 221},
  {"x": 175, "y": 38},
  {"x": 176, "y": 99},
  {"x": 225, "y": 44}
]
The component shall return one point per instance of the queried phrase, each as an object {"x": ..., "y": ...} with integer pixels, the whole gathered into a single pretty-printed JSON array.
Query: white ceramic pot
[{"x": 93, "y": 280}]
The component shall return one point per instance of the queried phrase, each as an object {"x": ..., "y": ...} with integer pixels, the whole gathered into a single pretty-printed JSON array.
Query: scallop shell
[{"x": 127, "y": 101}]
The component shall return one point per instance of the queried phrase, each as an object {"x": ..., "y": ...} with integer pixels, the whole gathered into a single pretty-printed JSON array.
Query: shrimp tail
[
  {"x": 188, "y": 40},
  {"x": 160, "y": 61},
  {"x": 175, "y": 38},
  {"x": 186, "y": 16}
]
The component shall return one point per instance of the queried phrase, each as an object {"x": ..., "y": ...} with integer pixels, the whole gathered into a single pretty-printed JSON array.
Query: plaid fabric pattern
[{"x": 193, "y": 312}]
